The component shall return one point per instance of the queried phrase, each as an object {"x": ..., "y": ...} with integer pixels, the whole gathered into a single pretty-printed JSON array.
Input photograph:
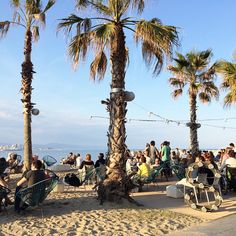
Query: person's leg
[{"x": 17, "y": 199}]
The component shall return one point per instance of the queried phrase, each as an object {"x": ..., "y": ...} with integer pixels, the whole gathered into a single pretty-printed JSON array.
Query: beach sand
[
  {"x": 76, "y": 211},
  {"x": 79, "y": 213}
]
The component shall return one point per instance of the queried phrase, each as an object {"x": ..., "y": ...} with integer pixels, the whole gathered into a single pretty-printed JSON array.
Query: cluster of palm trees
[{"x": 104, "y": 33}]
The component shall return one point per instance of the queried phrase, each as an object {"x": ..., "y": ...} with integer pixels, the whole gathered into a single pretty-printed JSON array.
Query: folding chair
[{"x": 34, "y": 195}]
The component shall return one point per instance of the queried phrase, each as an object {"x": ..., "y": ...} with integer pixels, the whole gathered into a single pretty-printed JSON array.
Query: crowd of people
[
  {"x": 140, "y": 162},
  {"x": 143, "y": 161}
]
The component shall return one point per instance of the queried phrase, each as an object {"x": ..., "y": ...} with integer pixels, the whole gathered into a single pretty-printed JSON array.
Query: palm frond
[
  {"x": 175, "y": 82},
  {"x": 67, "y": 23},
  {"x": 35, "y": 32},
  {"x": 199, "y": 60},
  {"x": 139, "y": 5},
  {"x": 105, "y": 30},
  {"x": 16, "y": 17},
  {"x": 33, "y": 6},
  {"x": 78, "y": 47},
  {"x": 230, "y": 98},
  {"x": 204, "y": 97},
  {"x": 210, "y": 88},
  {"x": 82, "y": 4},
  {"x": 4, "y": 27},
  {"x": 50, "y": 3},
  {"x": 98, "y": 66},
  {"x": 176, "y": 93},
  {"x": 157, "y": 41},
  {"x": 41, "y": 17},
  {"x": 96, "y": 4}
]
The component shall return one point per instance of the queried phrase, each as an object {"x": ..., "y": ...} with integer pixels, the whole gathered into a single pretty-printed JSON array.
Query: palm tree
[
  {"x": 194, "y": 70},
  {"x": 105, "y": 33},
  {"x": 228, "y": 72},
  {"x": 29, "y": 14}
]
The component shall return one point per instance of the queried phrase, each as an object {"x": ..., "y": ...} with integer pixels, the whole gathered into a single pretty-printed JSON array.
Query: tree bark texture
[
  {"x": 26, "y": 90},
  {"x": 117, "y": 185},
  {"x": 194, "y": 146}
]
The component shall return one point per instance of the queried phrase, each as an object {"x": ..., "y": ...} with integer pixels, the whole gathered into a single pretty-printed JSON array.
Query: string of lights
[{"x": 178, "y": 122}]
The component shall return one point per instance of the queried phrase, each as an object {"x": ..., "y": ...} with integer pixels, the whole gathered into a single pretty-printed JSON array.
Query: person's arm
[
  {"x": 3, "y": 183},
  {"x": 21, "y": 181}
]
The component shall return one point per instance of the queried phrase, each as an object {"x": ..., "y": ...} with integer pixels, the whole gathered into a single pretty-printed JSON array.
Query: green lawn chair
[
  {"x": 37, "y": 193},
  {"x": 152, "y": 178},
  {"x": 178, "y": 170}
]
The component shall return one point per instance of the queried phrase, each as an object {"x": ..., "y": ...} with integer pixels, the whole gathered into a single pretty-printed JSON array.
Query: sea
[{"x": 58, "y": 154}]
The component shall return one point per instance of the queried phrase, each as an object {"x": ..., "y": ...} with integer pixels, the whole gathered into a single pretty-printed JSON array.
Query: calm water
[{"x": 58, "y": 154}]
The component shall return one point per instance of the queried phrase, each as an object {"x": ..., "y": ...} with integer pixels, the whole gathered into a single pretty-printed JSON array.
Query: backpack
[{"x": 72, "y": 180}]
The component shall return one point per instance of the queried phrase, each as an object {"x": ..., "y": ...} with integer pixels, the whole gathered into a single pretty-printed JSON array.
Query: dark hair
[
  {"x": 101, "y": 155},
  {"x": 14, "y": 156},
  {"x": 152, "y": 143},
  {"x": 143, "y": 159},
  {"x": 231, "y": 144},
  {"x": 37, "y": 164}
]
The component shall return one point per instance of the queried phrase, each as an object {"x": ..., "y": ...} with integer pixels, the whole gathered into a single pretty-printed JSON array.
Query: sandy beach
[{"x": 76, "y": 211}]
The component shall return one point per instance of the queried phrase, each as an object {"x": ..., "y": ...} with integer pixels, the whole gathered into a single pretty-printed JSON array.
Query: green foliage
[
  {"x": 228, "y": 72},
  {"x": 157, "y": 39},
  {"x": 194, "y": 70}
]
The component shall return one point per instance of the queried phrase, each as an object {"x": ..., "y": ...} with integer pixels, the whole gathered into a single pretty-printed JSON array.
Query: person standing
[
  {"x": 165, "y": 157},
  {"x": 165, "y": 151},
  {"x": 153, "y": 152}
]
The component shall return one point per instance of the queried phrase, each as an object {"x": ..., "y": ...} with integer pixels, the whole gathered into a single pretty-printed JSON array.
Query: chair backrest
[
  {"x": 154, "y": 173},
  {"x": 49, "y": 160},
  {"x": 35, "y": 194},
  {"x": 101, "y": 172},
  {"x": 178, "y": 170}
]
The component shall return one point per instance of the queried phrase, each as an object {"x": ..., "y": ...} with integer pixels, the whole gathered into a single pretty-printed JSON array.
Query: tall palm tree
[
  {"x": 105, "y": 33},
  {"x": 194, "y": 71},
  {"x": 30, "y": 15},
  {"x": 228, "y": 72}
]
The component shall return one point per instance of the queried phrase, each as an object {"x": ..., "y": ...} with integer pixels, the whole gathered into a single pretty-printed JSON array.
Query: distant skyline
[{"x": 67, "y": 99}]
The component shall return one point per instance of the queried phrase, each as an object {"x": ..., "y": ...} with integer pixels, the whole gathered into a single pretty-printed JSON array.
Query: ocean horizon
[{"x": 60, "y": 153}]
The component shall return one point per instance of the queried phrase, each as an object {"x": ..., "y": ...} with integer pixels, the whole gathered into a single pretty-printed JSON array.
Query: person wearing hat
[{"x": 100, "y": 161}]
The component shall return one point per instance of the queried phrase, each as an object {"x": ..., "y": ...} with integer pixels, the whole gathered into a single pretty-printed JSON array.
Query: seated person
[
  {"x": 14, "y": 164},
  {"x": 210, "y": 175},
  {"x": 157, "y": 163},
  {"x": 3, "y": 182},
  {"x": 144, "y": 168},
  {"x": 231, "y": 161},
  {"x": 4, "y": 170},
  {"x": 35, "y": 175},
  {"x": 87, "y": 162},
  {"x": 131, "y": 165},
  {"x": 100, "y": 161},
  {"x": 71, "y": 159}
]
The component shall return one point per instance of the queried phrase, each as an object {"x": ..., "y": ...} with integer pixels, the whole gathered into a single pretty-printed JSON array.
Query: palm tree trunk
[
  {"x": 26, "y": 90},
  {"x": 117, "y": 132},
  {"x": 194, "y": 147},
  {"x": 117, "y": 185}
]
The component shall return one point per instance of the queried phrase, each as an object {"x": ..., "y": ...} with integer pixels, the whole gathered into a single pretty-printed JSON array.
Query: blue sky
[{"x": 67, "y": 98}]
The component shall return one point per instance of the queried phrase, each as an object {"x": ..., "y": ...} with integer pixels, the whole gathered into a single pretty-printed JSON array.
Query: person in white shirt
[
  {"x": 231, "y": 161},
  {"x": 78, "y": 160}
]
